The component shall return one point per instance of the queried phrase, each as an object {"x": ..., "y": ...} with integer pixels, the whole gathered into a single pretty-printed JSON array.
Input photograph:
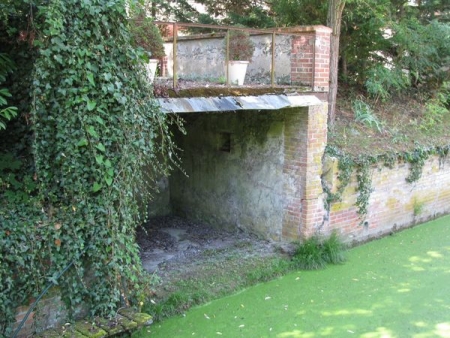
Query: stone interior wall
[
  {"x": 234, "y": 164},
  {"x": 394, "y": 203}
]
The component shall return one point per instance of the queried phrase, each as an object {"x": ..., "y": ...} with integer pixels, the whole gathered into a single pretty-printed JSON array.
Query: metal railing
[{"x": 189, "y": 27}]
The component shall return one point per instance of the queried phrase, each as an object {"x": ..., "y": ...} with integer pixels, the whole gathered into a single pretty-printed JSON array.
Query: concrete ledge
[{"x": 235, "y": 103}]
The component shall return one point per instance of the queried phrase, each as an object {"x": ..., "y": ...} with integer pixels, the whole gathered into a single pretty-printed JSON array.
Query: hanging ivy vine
[{"x": 95, "y": 128}]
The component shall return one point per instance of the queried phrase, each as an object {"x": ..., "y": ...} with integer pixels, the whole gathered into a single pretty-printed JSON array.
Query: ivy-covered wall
[{"x": 393, "y": 202}]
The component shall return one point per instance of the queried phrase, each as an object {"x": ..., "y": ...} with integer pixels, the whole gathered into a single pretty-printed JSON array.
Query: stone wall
[
  {"x": 394, "y": 203},
  {"x": 204, "y": 58},
  {"x": 233, "y": 162}
]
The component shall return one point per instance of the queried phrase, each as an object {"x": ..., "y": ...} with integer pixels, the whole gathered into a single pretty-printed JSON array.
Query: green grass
[
  {"x": 394, "y": 287},
  {"x": 316, "y": 252}
]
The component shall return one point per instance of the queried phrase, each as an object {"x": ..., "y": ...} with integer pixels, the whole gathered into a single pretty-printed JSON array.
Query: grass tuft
[
  {"x": 314, "y": 253},
  {"x": 309, "y": 254},
  {"x": 334, "y": 250}
]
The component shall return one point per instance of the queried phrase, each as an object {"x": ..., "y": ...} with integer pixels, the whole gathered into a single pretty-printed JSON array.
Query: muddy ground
[{"x": 172, "y": 245}]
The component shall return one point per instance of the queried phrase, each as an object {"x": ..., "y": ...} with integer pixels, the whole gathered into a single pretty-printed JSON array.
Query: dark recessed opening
[{"x": 225, "y": 142}]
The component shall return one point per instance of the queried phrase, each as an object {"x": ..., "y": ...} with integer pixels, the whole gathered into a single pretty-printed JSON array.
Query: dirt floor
[{"x": 173, "y": 245}]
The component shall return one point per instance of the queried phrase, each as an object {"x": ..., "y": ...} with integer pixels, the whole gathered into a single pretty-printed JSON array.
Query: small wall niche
[{"x": 225, "y": 142}]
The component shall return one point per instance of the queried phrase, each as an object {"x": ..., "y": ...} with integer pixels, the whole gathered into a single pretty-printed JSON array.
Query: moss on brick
[
  {"x": 111, "y": 326},
  {"x": 142, "y": 319},
  {"x": 90, "y": 330},
  {"x": 126, "y": 323}
]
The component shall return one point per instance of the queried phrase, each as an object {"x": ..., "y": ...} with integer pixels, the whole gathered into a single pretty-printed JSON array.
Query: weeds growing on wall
[{"x": 95, "y": 128}]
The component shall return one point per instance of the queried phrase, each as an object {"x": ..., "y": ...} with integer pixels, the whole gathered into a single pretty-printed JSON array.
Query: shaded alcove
[{"x": 245, "y": 169}]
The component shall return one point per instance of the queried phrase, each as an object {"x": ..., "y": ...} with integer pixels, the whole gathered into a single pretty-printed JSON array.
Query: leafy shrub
[
  {"x": 240, "y": 47},
  {"x": 314, "y": 253},
  {"x": 6, "y": 112},
  {"x": 433, "y": 115},
  {"x": 146, "y": 34},
  {"x": 381, "y": 81},
  {"x": 436, "y": 109},
  {"x": 423, "y": 50}
]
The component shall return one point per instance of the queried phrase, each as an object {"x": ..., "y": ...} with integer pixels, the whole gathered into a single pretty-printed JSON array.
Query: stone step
[{"x": 126, "y": 321}]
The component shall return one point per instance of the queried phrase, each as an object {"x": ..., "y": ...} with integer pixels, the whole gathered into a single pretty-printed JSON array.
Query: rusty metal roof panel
[{"x": 235, "y": 103}]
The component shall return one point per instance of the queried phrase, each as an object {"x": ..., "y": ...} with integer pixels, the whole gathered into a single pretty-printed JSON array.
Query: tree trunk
[{"x": 334, "y": 19}]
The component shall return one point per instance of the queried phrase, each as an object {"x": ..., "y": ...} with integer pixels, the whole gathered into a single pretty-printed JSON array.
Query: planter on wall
[
  {"x": 151, "y": 68},
  {"x": 236, "y": 72}
]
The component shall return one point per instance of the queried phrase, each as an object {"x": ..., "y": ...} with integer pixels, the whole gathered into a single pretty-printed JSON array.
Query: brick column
[
  {"x": 295, "y": 147},
  {"x": 322, "y": 59},
  {"x": 304, "y": 145},
  {"x": 302, "y": 59},
  {"x": 313, "y": 215},
  {"x": 310, "y": 57}
]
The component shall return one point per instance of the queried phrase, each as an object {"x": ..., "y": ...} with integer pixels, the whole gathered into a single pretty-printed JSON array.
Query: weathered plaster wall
[
  {"x": 205, "y": 58},
  {"x": 394, "y": 203},
  {"x": 234, "y": 163},
  {"x": 267, "y": 177}
]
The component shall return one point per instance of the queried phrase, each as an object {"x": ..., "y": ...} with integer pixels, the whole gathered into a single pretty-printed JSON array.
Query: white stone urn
[{"x": 236, "y": 72}]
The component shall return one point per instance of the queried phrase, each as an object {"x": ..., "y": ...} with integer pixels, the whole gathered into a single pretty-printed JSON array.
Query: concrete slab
[{"x": 235, "y": 103}]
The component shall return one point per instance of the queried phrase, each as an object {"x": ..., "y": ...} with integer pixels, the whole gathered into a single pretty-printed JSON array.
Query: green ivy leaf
[
  {"x": 90, "y": 78},
  {"x": 99, "y": 120},
  {"x": 83, "y": 142},
  {"x": 108, "y": 180},
  {"x": 96, "y": 187},
  {"x": 91, "y": 105},
  {"x": 99, "y": 159},
  {"x": 101, "y": 147},
  {"x": 92, "y": 132}
]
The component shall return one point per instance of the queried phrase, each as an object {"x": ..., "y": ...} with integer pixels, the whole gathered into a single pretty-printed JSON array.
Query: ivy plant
[{"x": 95, "y": 128}]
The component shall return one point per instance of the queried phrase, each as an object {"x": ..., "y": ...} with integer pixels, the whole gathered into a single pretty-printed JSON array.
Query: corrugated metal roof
[{"x": 235, "y": 103}]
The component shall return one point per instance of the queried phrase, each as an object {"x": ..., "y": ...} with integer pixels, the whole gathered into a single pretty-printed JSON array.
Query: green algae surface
[{"x": 398, "y": 286}]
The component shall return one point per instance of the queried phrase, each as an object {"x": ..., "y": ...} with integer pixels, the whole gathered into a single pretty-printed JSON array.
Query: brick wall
[
  {"x": 394, "y": 203},
  {"x": 49, "y": 312}
]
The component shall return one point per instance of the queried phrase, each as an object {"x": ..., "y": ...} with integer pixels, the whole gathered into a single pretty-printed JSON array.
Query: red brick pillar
[
  {"x": 313, "y": 208},
  {"x": 305, "y": 138},
  {"x": 310, "y": 57},
  {"x": 302, "y": 59},
  {"x": 322, "y": 59}
]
